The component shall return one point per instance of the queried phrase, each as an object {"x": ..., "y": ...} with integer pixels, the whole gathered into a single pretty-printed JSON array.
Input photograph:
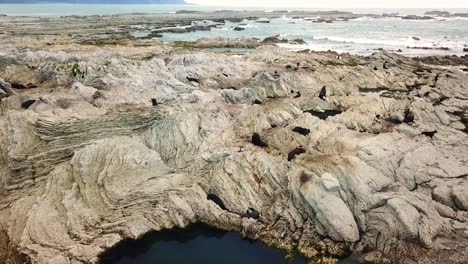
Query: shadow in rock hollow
[{"x": 198, "y": 244}]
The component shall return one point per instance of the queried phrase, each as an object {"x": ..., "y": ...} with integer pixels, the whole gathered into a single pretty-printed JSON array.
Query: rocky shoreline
[{"x": 107, "y": 138}]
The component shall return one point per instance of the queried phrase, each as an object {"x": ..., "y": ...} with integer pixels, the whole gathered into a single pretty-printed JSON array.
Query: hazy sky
[{"x": 339, "y": 3}]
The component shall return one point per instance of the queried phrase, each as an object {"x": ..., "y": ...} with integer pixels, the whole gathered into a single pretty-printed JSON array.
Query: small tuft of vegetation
[
  {"x": 76, "y": 71},
  {"x": 353, "y": 62},
  {"x": 298, "y": 41}
]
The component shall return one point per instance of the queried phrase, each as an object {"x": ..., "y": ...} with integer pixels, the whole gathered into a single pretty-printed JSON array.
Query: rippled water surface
[
  {"x": 198, "y": 245},
  {"x": 359, "y": 36}
]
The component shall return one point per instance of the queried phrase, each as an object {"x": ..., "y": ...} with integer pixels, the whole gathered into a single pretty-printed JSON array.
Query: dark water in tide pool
[{"x": 197, "y": 245}]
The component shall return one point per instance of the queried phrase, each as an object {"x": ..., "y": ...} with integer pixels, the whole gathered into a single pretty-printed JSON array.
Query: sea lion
[
  {"x": 252, "y": 213},
  {"x": 385, "y": 66},
  {"x": 27, "y": 104},
  {"x": 323, "y": 93},
  {"x": 301, "y": 130},
  {"x": 154, "y": 102},
  {"x": 409, "y": 117},
  {"x": 377, "y": 119},
  {"x": 295, "y": 152},
  {"x": 257, "y": 141},
  {"x": 216, "y": 200},
  {"x": 97, "y": 95},
  {"x": 298, "y": 94},
  {"x": 429, "y": 133},
  {"x": 193, "y": 80}
]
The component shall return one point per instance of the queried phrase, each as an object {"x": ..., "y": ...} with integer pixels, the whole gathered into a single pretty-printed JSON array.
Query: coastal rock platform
[{"x": 338, "y": 154}]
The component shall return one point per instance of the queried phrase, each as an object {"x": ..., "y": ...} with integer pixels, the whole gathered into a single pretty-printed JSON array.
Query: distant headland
[{"x": 159, "y": 2}]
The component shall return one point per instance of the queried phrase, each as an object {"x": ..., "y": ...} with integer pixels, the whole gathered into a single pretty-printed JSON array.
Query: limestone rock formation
[{"x": 93, "y": 162}]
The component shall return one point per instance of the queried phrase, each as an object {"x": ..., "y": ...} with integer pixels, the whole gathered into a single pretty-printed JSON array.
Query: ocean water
[
  {"x": 198, "y": 244},
  {"x": 360, "y": 36}
]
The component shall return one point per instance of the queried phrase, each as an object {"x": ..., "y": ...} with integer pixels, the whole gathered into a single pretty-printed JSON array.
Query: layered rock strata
[{"x": 376, "y": 166}]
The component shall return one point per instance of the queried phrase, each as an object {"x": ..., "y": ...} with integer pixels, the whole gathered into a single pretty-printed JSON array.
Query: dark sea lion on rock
[
  {"x": 97, "y": 95},
  {"x": 377, "y": 119},
  {"x": 301, "y": 130},
  {"x": 409, "y": 117},
  {"x": 191, "y": 79},
  {"x": 216, "y": 200},
  {"x": 22, "y": 86},
  {"x": 298, "y": 95},
  {"x": 154, "y": 102},
  {"x": 323, "y": 93},
  {"x": 295, "y": 152},
  {"x": 257, "y": 102},
  {"x": 440, "y": 100},
  {"x": 257, "y": 141},
  {"x": 27, "y": 104},
  {"x": 385, "y": 66},
  {"x": 252, "y": 213},
  {"x": 429, "y": 133}
]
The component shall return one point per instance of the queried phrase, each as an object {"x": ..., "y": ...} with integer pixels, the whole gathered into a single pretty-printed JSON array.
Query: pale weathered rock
[
  {"x": 460, "y": 195},
  {"x": 94, "y": 162}
]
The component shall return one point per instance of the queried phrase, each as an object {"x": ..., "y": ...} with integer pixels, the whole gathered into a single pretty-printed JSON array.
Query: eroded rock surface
[{"x": 92, "y": 162}]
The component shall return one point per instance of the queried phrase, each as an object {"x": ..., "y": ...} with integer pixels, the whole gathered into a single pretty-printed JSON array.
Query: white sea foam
[
  {"x": 364, "y": 18},
  {"x": 403, "y": 42}
]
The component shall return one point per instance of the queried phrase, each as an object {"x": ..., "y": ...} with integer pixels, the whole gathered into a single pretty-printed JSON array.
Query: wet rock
[
  {"x": 297, "y": 41},
  {"x": 415, "y": 17},
  {"x": 428, "y": 48},
  {"x": 437, "y": 13},
  {"x": 263, "y": 21},
  {"x": 274, "y": 40}
]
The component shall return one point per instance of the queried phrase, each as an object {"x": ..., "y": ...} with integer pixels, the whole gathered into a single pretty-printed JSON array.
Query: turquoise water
[
  {"x": 101, "y": 9},
  {"x": 198, "y": 244},
  {"x": 360, "y": 36}
]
